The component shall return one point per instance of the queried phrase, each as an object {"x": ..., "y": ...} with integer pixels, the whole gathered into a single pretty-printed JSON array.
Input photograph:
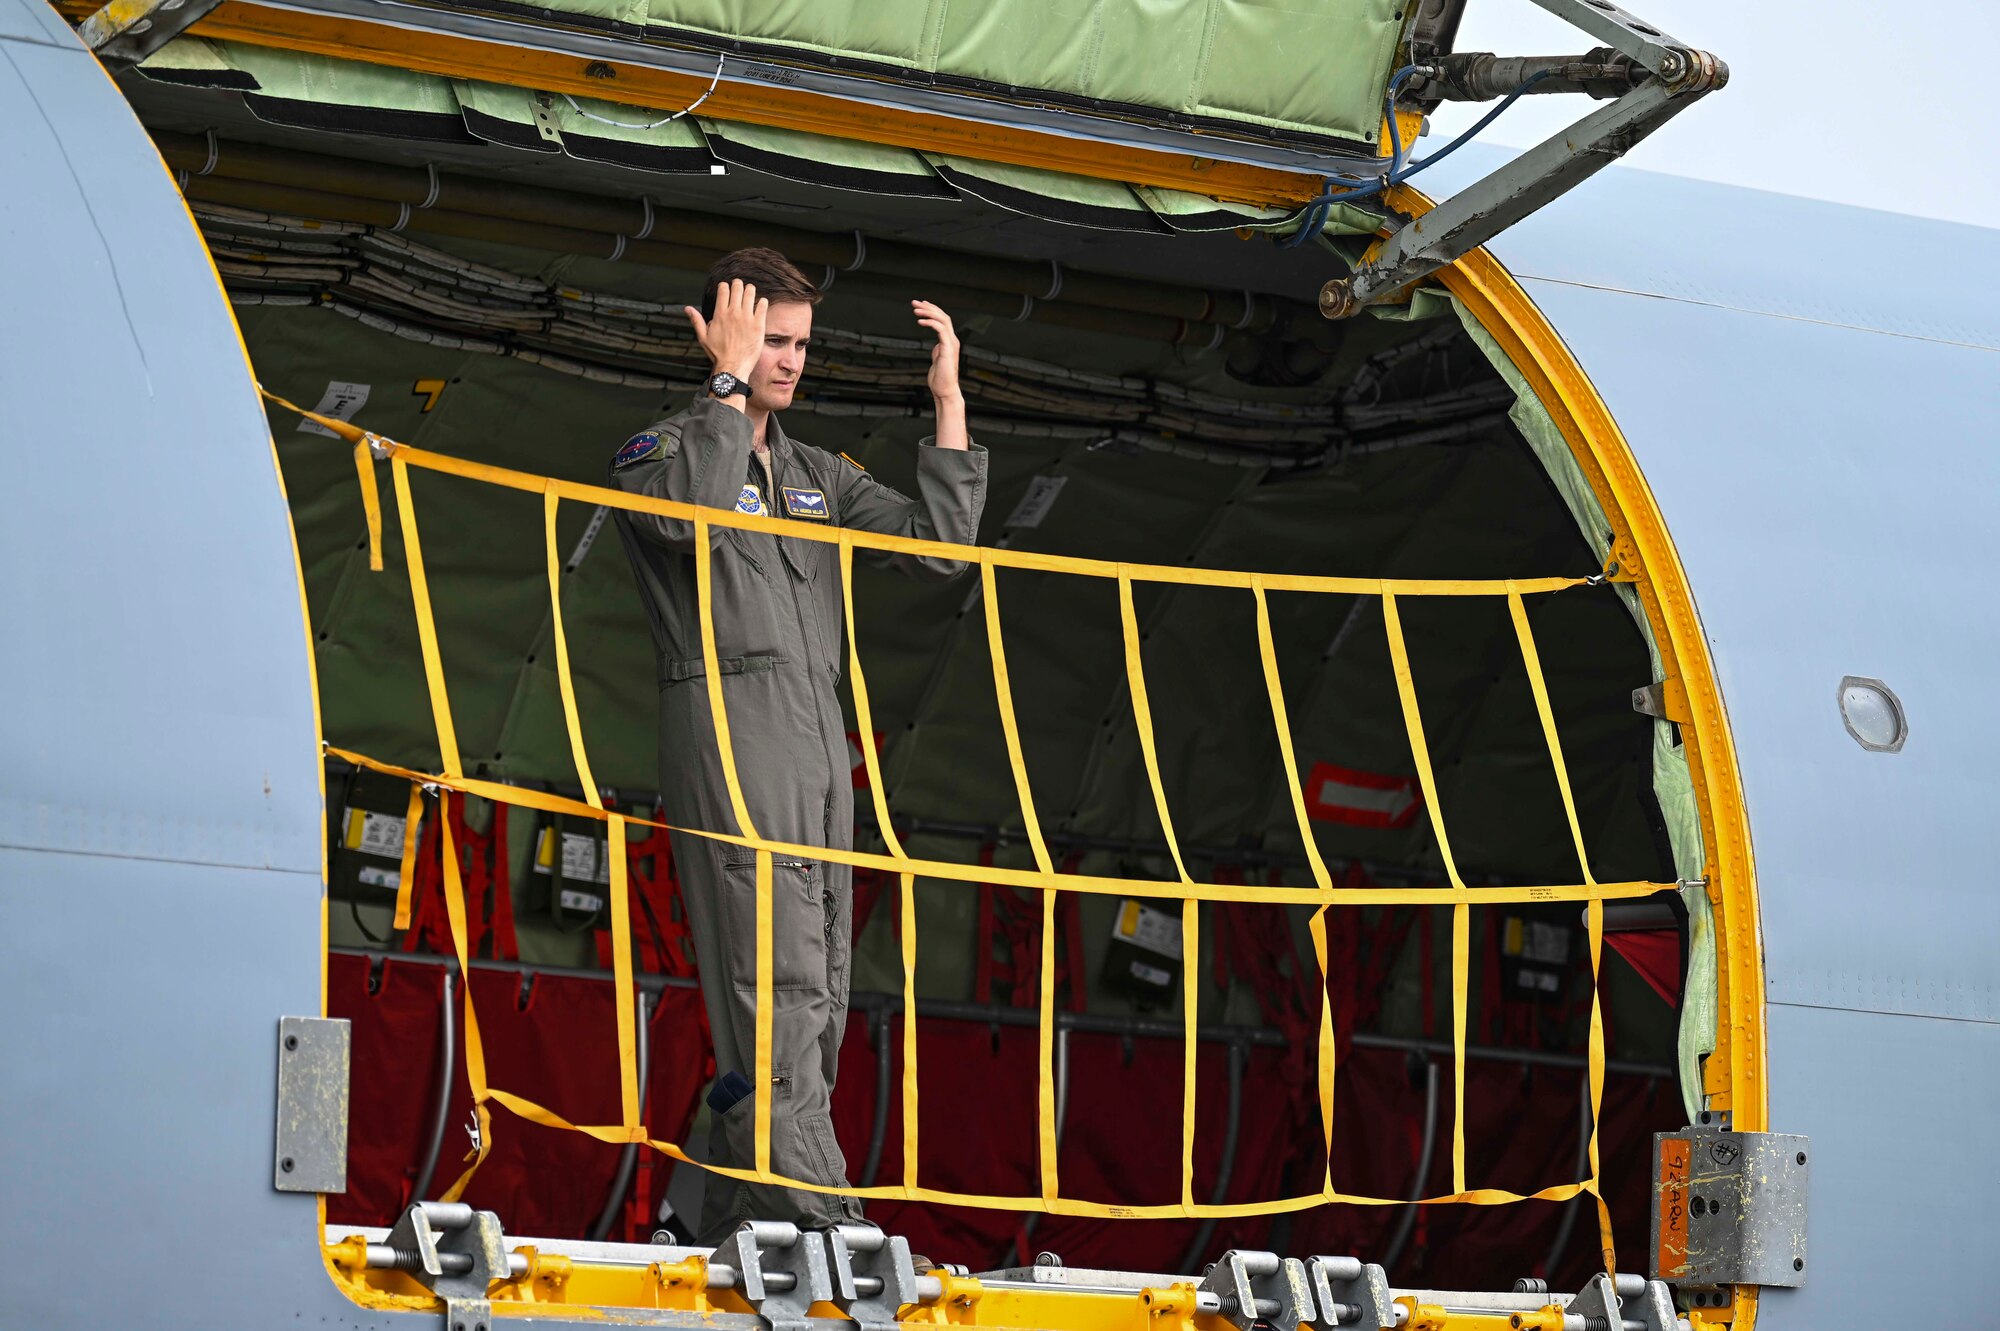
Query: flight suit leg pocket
[{"x": 798, "y": 919}]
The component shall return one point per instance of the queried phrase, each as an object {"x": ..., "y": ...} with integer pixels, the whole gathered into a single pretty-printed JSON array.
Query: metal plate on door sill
[
  {"x": 312, "y": 1105},
  {"x": 1729, "y": 1207}
]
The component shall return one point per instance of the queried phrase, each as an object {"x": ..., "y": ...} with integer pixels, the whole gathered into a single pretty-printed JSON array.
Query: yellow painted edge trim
[
  {"x": 452, "y": 56},
  {"x": 1504, "y": 309}
]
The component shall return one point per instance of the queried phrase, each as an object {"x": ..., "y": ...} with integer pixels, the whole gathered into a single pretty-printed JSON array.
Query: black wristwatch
[{"x": 725, "y": 384}]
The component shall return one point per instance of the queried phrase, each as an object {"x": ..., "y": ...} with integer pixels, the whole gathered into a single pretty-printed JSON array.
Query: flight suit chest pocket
[
  {"x": 799, "y": 915},
  {"x": 815, "y": 563}
]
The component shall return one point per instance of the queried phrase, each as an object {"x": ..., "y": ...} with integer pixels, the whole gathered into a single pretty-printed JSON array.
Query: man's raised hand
[
  {"x": 734, "y": 336},
  {"x": 950, "y": 402},
  {"x": 944, "y": 356}
]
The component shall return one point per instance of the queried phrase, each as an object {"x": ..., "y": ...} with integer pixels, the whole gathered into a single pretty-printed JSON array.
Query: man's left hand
[{"x": 944, "y": 356}]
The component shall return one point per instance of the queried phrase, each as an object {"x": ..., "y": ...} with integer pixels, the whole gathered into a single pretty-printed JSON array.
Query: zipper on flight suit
[
  {"x": 774, "y": 479},
  {"x": 806, "y": 636}
]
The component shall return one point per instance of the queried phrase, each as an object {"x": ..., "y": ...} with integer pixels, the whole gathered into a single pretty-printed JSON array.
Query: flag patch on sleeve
[
  {"x": 802, "y": 503},
  {"x": 640, "y": 447}
]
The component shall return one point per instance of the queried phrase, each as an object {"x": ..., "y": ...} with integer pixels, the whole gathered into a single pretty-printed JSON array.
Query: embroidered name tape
[
  {"x": 805, "y": 503},
  {"x": 638, "y": 448}
]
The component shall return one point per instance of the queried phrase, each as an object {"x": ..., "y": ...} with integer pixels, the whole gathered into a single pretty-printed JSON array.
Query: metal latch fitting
[
  {"x": 1729, "y": 1208},
  {"x": 873, "y": 1274},
  {"x": 453, "y": 1251},
  {"x": 1350, "y": 1293},
  {"x": 1665, "y": 700},
  {"x": 780, "y": 1271},
  {"x": 1254, "y": 1287}
]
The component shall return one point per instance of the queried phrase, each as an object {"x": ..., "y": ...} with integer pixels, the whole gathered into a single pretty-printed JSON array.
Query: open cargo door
[
  {"x": 1247, "y": 103},
  {"x": 479, "y": 118}
]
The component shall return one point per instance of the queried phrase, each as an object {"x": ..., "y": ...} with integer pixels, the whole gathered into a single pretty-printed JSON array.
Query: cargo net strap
[{"x": 1043, "y": 877}]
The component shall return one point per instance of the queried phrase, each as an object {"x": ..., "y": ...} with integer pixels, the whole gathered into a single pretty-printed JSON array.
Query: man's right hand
[{"x": 734, "y": 336}]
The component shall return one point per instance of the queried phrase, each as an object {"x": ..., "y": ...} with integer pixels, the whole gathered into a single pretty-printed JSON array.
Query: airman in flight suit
[{"x": 778, "y": 629}]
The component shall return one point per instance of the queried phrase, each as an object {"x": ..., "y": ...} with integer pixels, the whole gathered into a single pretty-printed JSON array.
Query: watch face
[{"x": 725, "y": 385}]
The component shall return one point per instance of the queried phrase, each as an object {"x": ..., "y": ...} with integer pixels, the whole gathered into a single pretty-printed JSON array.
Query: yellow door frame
[{"x": 1735, "y": 1075}]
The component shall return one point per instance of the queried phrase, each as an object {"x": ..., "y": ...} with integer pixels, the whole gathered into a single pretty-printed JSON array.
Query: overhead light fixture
[{"x": 1872, "y": 714}]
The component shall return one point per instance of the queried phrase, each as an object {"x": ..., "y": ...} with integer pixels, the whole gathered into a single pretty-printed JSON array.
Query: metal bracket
[
  {"x": 780, "y": 1272},
  {"x": 1679, "y": 76},
  {"x": 873, "y": 1275},
  {"x": 1349, "y": 1293},
  {"x": 1598, "y": 1299},
  {"x": 1261, "y": 1287},
  {"x": 1631, "y": 1301},
  {"x": 543, "y": 107},
  {"x": 453, "y": 1251},
  {"x": 1729, "y": 1207},
  {"x": 312, "y": 1105},
  {"x": 127, "y": 31},
  {"x": 468, "y": 1314},
  {"x": 1624, "y": 33},
  {"x": 1664, "y": 699}
]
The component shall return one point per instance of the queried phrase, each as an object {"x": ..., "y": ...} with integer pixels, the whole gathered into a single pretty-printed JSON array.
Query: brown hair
[{"x": 775, "y": 277}]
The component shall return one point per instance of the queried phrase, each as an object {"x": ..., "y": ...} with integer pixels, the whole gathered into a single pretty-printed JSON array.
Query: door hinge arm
[
  {"x": 125, "y": 32},
  {"x": 1675, "y": 77}
]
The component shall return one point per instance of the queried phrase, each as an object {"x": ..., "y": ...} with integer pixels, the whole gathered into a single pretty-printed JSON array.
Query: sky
[{"x": 1882, "y": 105}]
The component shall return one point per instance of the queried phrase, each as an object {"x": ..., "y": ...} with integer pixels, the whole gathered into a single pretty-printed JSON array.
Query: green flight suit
[{"x": 779, "y": 631}]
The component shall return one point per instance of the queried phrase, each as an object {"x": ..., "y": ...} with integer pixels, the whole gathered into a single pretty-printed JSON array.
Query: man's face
[{"x": 787, "y": 330}]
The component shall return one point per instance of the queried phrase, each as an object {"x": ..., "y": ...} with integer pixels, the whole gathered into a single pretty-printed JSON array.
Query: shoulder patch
[{"x": 641, "y": 447}]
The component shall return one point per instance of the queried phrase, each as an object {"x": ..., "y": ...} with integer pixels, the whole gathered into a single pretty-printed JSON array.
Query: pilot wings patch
[{"x": 803, "y": 503}]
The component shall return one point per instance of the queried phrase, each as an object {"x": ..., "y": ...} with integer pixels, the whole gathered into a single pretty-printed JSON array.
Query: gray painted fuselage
[{"x": 1810, "y": 389}]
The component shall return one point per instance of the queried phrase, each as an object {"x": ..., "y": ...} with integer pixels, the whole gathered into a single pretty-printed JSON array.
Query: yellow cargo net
[{"x": 1043, "y": 877}]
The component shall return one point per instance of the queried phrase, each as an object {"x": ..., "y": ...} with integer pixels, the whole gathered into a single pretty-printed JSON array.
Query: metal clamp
[
  {"x": 1350, "y": 1293},
  {"x": 1632, "y": 1301},
  {"x": 874, "y": 1276},
  {"x": 127, "y": 33},
  {"x": 453, "y": 1251},
  {"x": 1729, "y": 1208},
  {"x": 780, "y": 1272},
  {"x": 1260, "y": 1287}
]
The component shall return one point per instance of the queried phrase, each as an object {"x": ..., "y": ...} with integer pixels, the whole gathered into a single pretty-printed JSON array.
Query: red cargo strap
[
  {"x": 487, "y": 880},
  {"x": 656, "y": 892},
  {"x": 488, "y": 889},
  {"x": 430, "y": 928},
  {"x": 1252, "y": 943},
  {"x": 1015, "y": 918},
  {"x": 505, "y": 945},
  {"x": 1426, "y": 968},
  {"x": 982, "y": 968},
  {"x": 869, "y": 885}
]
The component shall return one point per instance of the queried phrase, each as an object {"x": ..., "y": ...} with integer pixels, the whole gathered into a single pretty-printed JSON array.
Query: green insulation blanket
[{"x": 1316, "y": 68}]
